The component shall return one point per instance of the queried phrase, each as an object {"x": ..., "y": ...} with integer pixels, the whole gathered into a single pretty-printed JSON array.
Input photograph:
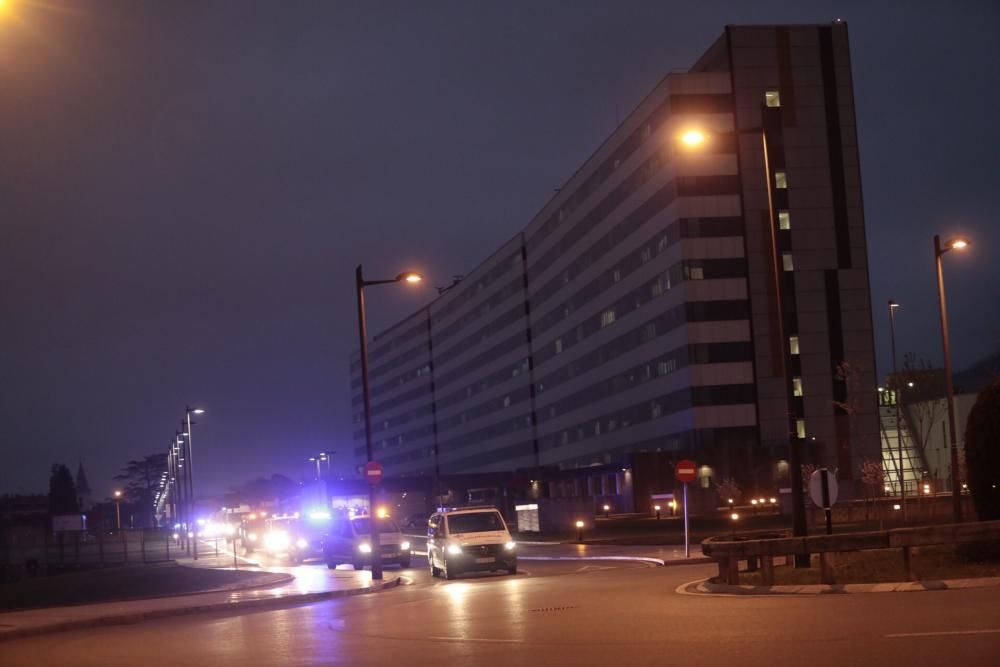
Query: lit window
[
  {"x": 784, "y": 220},
  {"x": 607, "y": 317},
  {"x": 800, "y": 428},
  {"x": 793, "y": 344},
  {"x": 656, "y": 409},
  {"x": 696, "y": 273},
  {"x": 657, "y": 287},
  {"x": 786, "y": 261},
  {"x": 506, "y": 401},
  {"x": 772, "y": 98},
  {"x": 780, "y": 180},
  {"x": 617, "y": 275},
  {"x": 796, "y": 386},
  {"x": 558, "y": 345},
  {"x": 668, "y": 366},
  {"x": 647, "y": 254}
]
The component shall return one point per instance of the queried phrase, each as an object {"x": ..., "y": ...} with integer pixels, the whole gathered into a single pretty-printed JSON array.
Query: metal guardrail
[{"x": 728, "y": 552}]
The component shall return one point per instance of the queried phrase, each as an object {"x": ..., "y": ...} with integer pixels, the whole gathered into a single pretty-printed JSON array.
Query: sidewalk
[
  {"x": 265, "y": 593},
  {"x": 707, "y": 587}
]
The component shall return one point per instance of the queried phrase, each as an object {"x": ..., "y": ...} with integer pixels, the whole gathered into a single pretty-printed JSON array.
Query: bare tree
[
  {"x": 728, "y": 490},
  {"x": 873, "y": 477}
]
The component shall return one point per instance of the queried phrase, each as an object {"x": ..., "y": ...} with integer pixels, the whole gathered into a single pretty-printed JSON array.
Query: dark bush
[{"x": 982, "y": 453}]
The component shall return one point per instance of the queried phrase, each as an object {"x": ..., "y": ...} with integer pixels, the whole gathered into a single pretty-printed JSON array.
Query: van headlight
[
  {"x": 252, "y": 537},
  {"x": 276, "y": 540},
  {"x": 365, "y": 548},
  {"x": 454, "y": 549},
  {"x": 405, "y": 546},
  {"x": 301, "y": 543},
  {"x": 509, "y": 545}
]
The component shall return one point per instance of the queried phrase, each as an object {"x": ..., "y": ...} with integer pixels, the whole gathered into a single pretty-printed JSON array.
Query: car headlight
[
  {"x": 252, "y": 537},
  {"x": 276, "y": 540},
  {"x": 365, "y": 548},
  {"x": 230, "y": 529},
  {"x": 509, "y": 545},
  {"x": 405, "y": 546},
  {"x": 301, "y": 543},
  {"x": 454, "y": 549}
]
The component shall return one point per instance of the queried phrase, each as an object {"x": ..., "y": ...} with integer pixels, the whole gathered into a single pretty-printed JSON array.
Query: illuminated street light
[
  {"x": 118, "y": 510},
  {"x": 579, "y": 530},
  {"x": 360, "y": 284},
  {"x": 657, "y": 508},
  {"x": 607, "y": 510},
  {"x": 693, "y": 138},
  {"x": 939, "y": 250}
]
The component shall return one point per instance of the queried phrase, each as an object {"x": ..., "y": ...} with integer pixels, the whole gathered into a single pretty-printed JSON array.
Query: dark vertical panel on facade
[
  {"x": 835, "y": 334},
  {"x": 434, "y": 420},
  {"x": 835, "y": 148},
  {"x": 785, "y": 83},
  {"x": 531, "y": 353}
]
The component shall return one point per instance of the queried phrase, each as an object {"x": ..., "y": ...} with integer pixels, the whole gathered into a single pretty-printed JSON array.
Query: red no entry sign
[
  {"x": 373, "y": 472},
  {"x": 685, "y": 471}
]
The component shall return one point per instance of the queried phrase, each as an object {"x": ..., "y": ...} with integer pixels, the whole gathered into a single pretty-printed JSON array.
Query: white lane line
[
  {"x": 481, "y": 640},
  {"x": 945, "y": 633}
]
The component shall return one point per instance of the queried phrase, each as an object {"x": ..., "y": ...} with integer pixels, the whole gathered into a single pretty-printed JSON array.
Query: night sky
[{"x": 186, "y": 188}]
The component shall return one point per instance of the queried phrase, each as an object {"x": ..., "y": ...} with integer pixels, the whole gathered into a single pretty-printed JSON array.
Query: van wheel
[
  {"x": 435, "y": 572},
  {"x": 512, "y": 569},
  {"x": 450, "y": 572},
  {"x": 331, "y": 565},
  {"x": 404, "y": 562}
]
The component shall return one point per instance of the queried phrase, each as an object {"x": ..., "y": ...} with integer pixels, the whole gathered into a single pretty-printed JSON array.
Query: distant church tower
[{"x": 82, "y": 488}]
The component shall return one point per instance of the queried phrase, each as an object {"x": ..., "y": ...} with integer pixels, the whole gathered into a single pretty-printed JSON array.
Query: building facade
[{"x": 699, "y": 286}]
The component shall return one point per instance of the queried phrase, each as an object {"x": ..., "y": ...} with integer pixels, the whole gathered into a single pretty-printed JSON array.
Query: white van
[
  {"x": 349, "y": 541},
  {"x": 469, "y": 540}
]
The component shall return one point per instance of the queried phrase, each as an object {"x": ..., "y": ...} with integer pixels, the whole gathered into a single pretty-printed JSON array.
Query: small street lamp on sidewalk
[{"x": 118, "y": 510}]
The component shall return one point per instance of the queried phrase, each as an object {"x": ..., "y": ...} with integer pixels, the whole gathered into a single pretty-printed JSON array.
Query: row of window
[{"x": 661, "y": 406}]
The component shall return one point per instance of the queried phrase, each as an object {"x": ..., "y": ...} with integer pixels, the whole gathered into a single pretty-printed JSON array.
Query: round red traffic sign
[
  {"x": 373, "y": 472},
  {"x": 685, "y": 471}
]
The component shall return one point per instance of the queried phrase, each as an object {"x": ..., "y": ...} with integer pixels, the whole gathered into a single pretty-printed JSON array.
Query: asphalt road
[{"x": 609, "y": 614}]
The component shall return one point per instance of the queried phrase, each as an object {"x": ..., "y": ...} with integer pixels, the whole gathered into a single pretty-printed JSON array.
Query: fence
[
  {"x": 37, "y": 553},
  {"x": 728, "y": 553}
]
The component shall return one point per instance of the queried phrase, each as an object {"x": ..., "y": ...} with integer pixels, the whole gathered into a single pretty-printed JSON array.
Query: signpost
[
  {"x": 686, "y": 471},
  {"x": 373, "y": 473},
  {"x": 823, "y": 491}
]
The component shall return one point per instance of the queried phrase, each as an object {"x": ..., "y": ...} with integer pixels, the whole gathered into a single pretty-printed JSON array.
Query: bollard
[
  {"x": 235, "y": 563},
  {"x": 826, "y": 561},
  {"x": 767, "y": 570}
]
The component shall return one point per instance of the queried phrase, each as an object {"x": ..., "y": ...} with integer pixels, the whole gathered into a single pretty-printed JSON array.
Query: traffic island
[
  {"x": 128, "y": 583},
  {"x": 26, "y": 623}
]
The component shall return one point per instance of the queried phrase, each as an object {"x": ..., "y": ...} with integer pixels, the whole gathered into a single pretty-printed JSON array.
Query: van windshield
[
  {"x": 477, "y": 522},
  {"x": 385, "y": 525}
]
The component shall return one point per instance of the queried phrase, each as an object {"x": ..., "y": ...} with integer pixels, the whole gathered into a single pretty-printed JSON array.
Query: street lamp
[
  {"x": 313, "y": 458},
  {"x": 118, "y": 510},
  {"x": 939, "y": 250},
  {"x": 695, "y": 139},
  {"x": 189, "y": 435},
  {"x": 360, "y": 284},
  {"x": 579, "y": 531},
  {"x": 896, "y": 399}
]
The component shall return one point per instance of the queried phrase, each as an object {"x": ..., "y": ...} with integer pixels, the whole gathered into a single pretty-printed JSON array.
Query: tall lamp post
[
  {"x": 897, "y": 395},
  {"x": 361, "y": 284},
  {"x": 118, "y": 510},
  {"x": 956, "y": 489},
  {"x": 188, "y": 433},
  {"x": 316, "y": 460}
]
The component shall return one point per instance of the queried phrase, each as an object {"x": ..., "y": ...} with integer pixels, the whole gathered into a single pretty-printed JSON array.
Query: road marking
[
  {"x": 480, "y": 640},
  {"x": 945, "y": 633}
]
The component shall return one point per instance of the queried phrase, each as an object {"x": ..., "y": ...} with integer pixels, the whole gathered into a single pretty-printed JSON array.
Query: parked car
[
  {"x": 349, "y": 541},
  {"x": 468, "y": 540}
]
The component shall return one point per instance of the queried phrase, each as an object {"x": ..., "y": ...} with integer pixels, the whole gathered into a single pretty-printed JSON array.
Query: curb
[
  {"x": 140, "y": 616},
  {"x": 707, "y": 587},
  {"x": 636, "y": 559}
]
